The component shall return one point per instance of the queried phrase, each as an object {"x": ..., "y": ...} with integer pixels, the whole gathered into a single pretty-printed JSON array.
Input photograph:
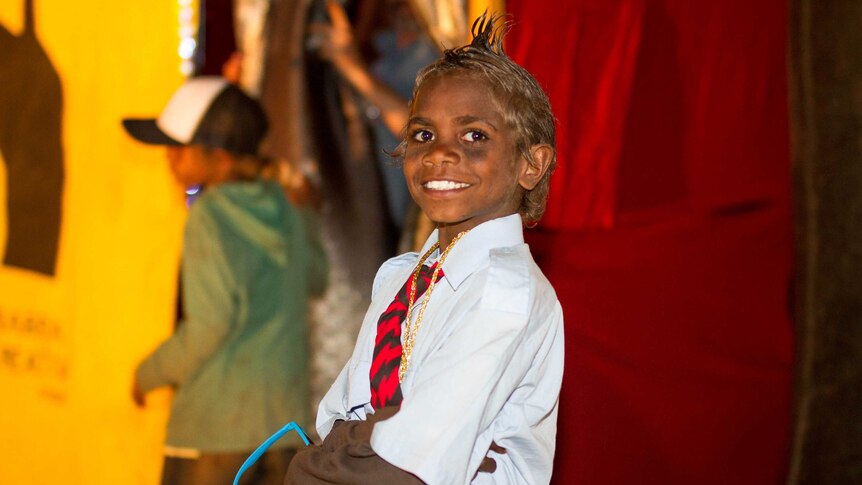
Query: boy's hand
[
  {"x": 232, "y": 68},
  {"x": 346, "y": 457},
  {"x": 489, "y": 465},
  {"x": 138, "y": 394},
  {"x": 299, "y": 189},
  {"x": 335, "y": 42},
  {"x": 346, "y": 432}
]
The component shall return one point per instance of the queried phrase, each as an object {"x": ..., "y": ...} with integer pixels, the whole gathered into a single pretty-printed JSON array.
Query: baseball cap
[{"x": 208, "y": 111}]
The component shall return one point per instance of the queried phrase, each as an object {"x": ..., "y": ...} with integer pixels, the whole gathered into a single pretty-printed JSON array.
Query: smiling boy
[{"x": 456, "y": 373}]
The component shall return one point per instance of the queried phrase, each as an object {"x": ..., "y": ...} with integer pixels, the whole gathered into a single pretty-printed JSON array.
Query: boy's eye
[
  {"x": 474, "y": 136},
  {"x": 422, "y": 136}
]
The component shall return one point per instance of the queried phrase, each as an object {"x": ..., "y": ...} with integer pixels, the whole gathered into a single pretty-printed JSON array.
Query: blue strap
[{"x": 266, "y": 444}]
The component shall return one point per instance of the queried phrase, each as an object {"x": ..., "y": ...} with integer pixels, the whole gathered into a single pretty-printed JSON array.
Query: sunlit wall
[{"x": 77, "y": 315}]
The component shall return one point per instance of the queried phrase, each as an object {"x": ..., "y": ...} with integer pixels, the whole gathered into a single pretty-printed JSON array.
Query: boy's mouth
[{"x": 444, "y": 185}]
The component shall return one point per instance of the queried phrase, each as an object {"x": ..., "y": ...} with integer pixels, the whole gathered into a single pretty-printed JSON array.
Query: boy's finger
[
  {"x": 337, "y": 14},
  {"x": 488, "y": 465},
  {"x": 497, "y": 448},
  {"x": 138, "y": 396}
]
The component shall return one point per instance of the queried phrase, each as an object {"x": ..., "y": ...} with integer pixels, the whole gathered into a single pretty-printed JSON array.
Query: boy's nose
[{"x": 440, "y": 153}]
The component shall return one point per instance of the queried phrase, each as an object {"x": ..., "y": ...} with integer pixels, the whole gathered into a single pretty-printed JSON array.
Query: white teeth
[{"x": 444, "y": 185}]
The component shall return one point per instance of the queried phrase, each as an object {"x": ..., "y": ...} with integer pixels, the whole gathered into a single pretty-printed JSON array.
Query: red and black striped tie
[{"x": 385, "y": 388}]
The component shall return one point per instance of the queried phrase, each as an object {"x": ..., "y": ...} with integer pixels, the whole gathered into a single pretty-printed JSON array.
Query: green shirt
[{"x": 239, "y": 359}]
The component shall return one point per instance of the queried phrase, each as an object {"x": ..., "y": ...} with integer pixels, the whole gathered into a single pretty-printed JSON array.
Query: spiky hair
[{"x": 521, "y": 100}]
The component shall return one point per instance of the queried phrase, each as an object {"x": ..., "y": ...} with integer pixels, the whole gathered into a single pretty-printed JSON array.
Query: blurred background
[{"x": 702, "y": 231}]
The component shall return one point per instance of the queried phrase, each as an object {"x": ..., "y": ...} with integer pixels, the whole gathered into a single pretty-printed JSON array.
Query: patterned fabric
[{"x": 385, "y": 388}]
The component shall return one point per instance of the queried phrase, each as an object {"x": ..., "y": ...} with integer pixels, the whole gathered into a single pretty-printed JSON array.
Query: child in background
[
  {"x": 239, "y": 358},
  {"x": 455, "y": 377}
]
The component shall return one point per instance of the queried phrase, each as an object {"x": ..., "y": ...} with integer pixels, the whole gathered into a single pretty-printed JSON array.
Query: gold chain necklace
[{"x": 410, "y": 331}]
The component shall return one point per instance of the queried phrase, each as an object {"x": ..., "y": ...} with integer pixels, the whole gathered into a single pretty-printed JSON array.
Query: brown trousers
[{"x": 221, "y": 468}]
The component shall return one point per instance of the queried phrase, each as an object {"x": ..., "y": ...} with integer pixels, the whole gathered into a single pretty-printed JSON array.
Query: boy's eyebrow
[
  {"x": 460, "y": 120},
  {"x": 418, "y": 120},
  {"x": 467, "y": 119}
]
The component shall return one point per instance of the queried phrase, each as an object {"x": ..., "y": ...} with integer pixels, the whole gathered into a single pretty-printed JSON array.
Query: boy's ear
[
  {"x": 542, "y": 155},
  {"x": 223, "y": 157},
  {"x": 223, "y": 162}
]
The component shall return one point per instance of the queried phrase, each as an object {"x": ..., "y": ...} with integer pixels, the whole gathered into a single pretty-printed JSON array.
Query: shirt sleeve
[
  {"x": 332, "y": 407},
  {"x": 526, "y": 426},
  {"x": 209, "y": 305}
]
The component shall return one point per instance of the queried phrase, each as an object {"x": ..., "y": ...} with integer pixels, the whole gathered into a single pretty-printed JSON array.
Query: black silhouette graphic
[{"x": 31, "y": 108}]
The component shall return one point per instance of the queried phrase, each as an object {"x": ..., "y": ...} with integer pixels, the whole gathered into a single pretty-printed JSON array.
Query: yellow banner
[{"x": 90, "y": 233}]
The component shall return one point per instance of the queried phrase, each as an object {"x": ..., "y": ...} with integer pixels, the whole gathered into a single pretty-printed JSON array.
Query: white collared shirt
[{"x": 486, "y": 366}]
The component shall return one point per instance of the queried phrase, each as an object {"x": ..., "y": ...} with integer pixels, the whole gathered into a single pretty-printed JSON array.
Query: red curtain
[{"x": 668, "y": 235}]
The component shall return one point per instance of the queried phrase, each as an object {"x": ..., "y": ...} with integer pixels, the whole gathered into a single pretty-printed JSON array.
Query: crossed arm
[{"x": 346, "y": 456}]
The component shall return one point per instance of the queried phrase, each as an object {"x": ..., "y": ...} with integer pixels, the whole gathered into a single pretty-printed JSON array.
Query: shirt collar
[{"x": 474, "y": 247}]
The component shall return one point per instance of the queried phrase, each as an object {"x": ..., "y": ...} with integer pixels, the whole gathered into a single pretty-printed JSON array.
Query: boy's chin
[
  {"x": 459, "y": 223},
  {"x": 442, "y": 220}
]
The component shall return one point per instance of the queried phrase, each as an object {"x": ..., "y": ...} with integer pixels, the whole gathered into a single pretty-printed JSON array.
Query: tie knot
[{"x": 425, "y": 272}]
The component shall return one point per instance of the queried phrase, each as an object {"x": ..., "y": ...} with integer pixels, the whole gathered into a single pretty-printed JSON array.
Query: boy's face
[
  {"x": 189, "y": 164},
  {"x": 461, "y": 162}
]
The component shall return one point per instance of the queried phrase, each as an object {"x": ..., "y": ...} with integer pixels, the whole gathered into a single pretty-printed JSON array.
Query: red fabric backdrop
[{"x": 668, "y": 235}]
